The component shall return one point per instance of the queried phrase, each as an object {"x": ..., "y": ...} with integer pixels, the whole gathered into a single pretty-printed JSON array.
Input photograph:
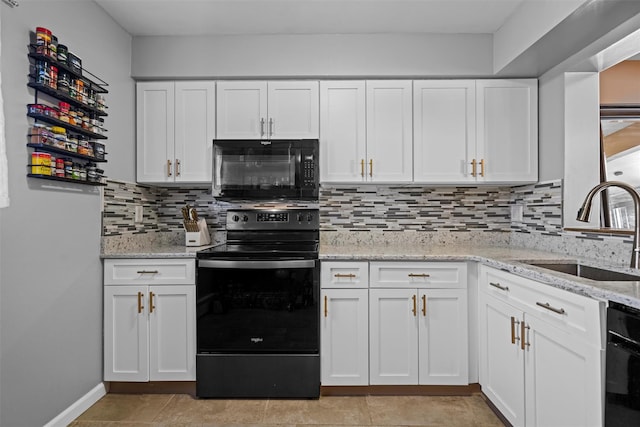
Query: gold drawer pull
[
  {"x": 514, "y": 322},
  {"x": 497, "y": 285},
  {"x": 415, "y": 308},
  {"x": 348, "y": 276},
  {"x": 482, "y": 167},
  {"x": 550, "y": 308},
  {"x": 140, "y": 306},
  {"x": 424, "y": 305},
  {"x": 151, "y": 306},
  {"x": 362, "y": 167},
  {"x": 418, "y": 275},
  {"x": 473, "y": 167},
  {"x": 147, "y": 271},
  {"x": 371, "y": 168},
  {"x": 326, "y": 309}
]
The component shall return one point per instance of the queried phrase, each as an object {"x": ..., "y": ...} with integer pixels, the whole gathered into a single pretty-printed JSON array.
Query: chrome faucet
[{"x": 585, "y": 210}]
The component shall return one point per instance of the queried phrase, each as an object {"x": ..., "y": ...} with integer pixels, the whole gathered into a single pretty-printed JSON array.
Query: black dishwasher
[{"x": 622, "y": 401}]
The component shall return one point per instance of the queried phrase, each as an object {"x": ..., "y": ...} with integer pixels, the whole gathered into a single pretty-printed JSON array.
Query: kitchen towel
[{"x": 4, "y": 175}]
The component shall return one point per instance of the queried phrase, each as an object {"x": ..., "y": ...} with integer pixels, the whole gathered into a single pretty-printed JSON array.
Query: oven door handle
[{"x": 273, "y": 264}]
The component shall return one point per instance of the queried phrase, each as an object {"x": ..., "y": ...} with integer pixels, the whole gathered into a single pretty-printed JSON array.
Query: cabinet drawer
[
  {"x": 150, "y": 271},
  {"x": 573, "y": 313},
  {"x": 418, "y": 274},
  {"x": 344, "y": 274}
]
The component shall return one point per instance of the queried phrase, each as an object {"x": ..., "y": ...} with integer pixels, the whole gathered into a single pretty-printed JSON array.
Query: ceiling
[{"x": 235, "y": 17}]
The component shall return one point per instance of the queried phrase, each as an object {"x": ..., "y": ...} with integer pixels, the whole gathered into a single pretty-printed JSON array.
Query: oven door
[
  {"x": 248, "y": 169},
  {"x": 258, "y": 306}
]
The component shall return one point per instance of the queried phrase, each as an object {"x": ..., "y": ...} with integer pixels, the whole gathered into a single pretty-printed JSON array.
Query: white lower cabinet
[
  {"x": 541, "y": 351},
  {"x": 149, "y": 330},
  {"x": 418, "y": 323},
  {"x": 344, "y": 323}
]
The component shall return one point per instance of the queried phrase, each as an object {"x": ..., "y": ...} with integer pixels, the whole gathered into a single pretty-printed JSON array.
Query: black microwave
[{"x": 264, "y": 170}]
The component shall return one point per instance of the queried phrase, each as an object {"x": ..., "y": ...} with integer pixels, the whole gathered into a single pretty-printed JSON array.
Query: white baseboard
[{"x": 78, "y": 407}]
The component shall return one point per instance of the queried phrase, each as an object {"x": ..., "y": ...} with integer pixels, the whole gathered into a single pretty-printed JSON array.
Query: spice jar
[
  {"x": 63, "y": 81},
  {"x": 42, "y": 72},
  {"x": 43, "y": 40},
  {"x": 40, "y": 163},
  {"x": 68, "y": 168},
  {"x": 60, "y": 167},
  {"x": 53, "y": 77},
  {"x": 53, "y": 47},
  {"x": 79, "y": 87},
  {"x": 62, "y": 53}
]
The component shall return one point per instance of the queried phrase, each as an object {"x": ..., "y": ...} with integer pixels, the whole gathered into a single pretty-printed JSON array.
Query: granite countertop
[{"x": 513, "y": 260}]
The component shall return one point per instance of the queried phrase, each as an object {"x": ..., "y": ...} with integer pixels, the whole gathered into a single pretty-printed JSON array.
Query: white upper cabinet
[
  {"x": 365, "y": 133},
  {"x": 507, "y": 130},
  {"x": 389, "y": 131},
  {"x": 267, "y": 110},
  {"x": 475, "y": 131},
  {"x": 343, "y": 128},
  {"x": 175, "y": 127},
  {"x": 444, "y": 122}
]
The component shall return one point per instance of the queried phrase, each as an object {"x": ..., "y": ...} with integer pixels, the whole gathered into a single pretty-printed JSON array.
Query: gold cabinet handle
[
  {"x": 344, "y": 276},
  {"x": 147, "y": 271},
  {"x": 151, "y": 306},
  {"x": 418, "y": 275},
  {"x": 415, "y": 308},
  {"x": 473, "y": 167},
  {"x": 550, "y": 308},
  {"x": 177, "y": 167},
  {"x": 140, "y": 306},
  {"x": 482, "y": 167},
  {"x": 168, "y": 168},
  {"x": 326, "y": 308},
  {"x": 522, "y": 327},
  {"x": 362, "y": 167},
  {"x": 499, "y": 286},
  {"x": 424, "y": 305},
  {"x": 514, "y": 322},
  {"x": 371, "y": 168},
  {"x": 526, "y": 342}
]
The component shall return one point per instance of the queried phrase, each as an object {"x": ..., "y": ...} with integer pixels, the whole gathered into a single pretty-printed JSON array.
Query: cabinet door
[
  {"x": 563, "y": 378},
  {"x": 172, "y": 333},
  {"x": 507, "y": 130},
  {"x": 126, "y": 352},
  {"x": 389, "y": 131},
  {"x": 342, "y": 131},
  {"x": 194, "y": 130},
  {"x": 443, "y": 343},
  {"x": 501, "y": 358},
  {"x": 393, "y": 336},
  {"x": 344, "y": 354},
  {"x": 241, "y": 110},
  {"x": 155, "y": 132},
  {"x": 293, "y": 110},
  {"x": 444, "y": 130}
]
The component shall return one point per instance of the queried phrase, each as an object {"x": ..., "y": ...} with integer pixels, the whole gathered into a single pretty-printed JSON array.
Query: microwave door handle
[{"x": 272, "y": 264}]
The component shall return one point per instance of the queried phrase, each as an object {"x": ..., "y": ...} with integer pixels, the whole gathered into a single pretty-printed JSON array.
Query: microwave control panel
[{"x": 308, "y": 170}]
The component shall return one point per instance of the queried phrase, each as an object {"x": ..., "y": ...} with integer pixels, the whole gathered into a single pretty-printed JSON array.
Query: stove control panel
[{"x": 273, "y": 219}]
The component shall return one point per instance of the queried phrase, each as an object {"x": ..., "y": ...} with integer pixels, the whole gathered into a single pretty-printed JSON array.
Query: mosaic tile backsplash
[{"x": 445, "y": 214}]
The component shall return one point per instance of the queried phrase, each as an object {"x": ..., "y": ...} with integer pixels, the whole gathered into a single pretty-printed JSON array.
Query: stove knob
[
  {"x": 310, "y": 217},
  {"x": 235, "y": 218},
  {"x": 300, "y": 217},
  {"x": 245, "y": 218}
]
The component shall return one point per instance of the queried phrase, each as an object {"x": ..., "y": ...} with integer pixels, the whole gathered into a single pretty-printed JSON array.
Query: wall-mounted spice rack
[{"x": 70, "y": 99}]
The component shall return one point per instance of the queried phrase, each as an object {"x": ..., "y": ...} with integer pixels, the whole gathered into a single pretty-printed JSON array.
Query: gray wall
[
  {"x": 50, "y": 271},
  {"x": 312, "y": 56}
]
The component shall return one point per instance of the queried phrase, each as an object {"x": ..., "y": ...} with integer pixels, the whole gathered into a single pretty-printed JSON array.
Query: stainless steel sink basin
[{"x": 587, "y": 272}]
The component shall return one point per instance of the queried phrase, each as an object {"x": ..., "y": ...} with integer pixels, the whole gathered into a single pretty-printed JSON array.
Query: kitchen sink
[{"x": 593, "y": 273}]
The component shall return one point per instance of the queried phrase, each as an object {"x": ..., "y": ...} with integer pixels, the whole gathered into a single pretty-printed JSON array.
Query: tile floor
[{"x": 182, "y": 410}]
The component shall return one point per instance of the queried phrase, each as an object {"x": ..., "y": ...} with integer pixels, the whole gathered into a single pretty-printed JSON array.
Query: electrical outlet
[
  {"x": 139, "y": 214},
  {"x": 517, "y": 212}
]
